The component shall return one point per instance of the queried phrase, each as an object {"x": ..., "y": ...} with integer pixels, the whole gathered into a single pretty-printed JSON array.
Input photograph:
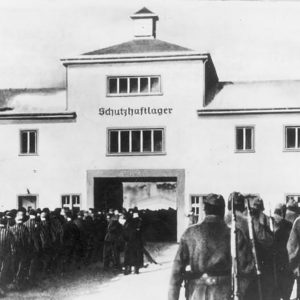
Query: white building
[{"x": 147, "y": 111}]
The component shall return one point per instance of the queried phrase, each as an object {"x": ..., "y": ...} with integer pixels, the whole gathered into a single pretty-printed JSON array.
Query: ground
[{"x": 92, "y": 283}]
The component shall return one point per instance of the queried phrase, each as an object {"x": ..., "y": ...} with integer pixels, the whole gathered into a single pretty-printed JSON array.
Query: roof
[
  {"x": 139, "y": 46},
  {"x": 144, "y": 10},
  {"x": 260, "y": 95},
  {"x": 48, "y": 100}
]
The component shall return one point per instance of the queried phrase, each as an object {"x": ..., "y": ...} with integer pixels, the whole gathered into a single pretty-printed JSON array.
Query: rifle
[
  {"x": 234, "y": 259},
  {"x": 272, "y": 228},
  {"x": 251, "y": 237}
]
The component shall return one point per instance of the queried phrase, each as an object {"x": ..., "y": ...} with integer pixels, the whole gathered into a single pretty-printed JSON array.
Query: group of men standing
[
  {"x": 42, "y": 242},
  {"x": 266, "y": 250}
]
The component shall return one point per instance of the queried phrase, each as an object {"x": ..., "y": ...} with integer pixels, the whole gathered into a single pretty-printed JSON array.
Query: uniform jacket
[
  {"x": 291, "y": 214},
  {"x": 293, "y": 245},
  {"x": 205, "y": 247}
]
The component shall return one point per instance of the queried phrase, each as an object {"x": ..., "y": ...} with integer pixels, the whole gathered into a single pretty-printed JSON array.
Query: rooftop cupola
[{"x": 144, "y": 22}]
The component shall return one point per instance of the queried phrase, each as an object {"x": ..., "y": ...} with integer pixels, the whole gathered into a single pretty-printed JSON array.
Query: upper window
[
  {"x": 133, "y": 85},
  {"x": 244, "y": 139},
  {"x": 136, "y": 141},
  {"x": 292, "y": 137},
  {"x": 28, "y": 142},
  {"x": 295, "y": 197}
]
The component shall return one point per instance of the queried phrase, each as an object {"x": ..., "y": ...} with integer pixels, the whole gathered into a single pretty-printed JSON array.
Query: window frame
[
  {"x": 36, "y": 142},
  {"x": 285, "y": 149},
  {"x": 26, "y": 195},
  {"x": 291, "y": 195},
  {"x": 71, "y": 202},
  {"x": 128, "y": 94},
  {"x": 244, "y": 127},
  {"x": 201, "y": 213},
  {"x": 131, "y": 129}
]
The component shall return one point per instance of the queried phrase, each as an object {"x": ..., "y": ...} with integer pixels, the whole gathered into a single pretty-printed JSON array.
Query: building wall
[{"x": 270, "y": 170}]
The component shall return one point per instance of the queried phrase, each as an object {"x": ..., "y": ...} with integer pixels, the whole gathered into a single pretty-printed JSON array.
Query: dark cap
[
  {"x": 258, "y": 203},
  {"x": 214, "y": 200},
  {"x": 238, "y": 200}
]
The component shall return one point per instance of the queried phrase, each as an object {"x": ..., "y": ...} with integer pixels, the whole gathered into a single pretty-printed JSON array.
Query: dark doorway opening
[{"x": 155, "y": 197}]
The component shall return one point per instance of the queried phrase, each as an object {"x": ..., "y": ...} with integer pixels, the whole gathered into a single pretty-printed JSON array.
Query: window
[
  {"x": 71, "y": 201},
  {"x": 28, "y": 142},
  {"x": 197, "y": 206},
  {"x": 295, "y": 197},
  {"x": 136, "y": 141},
  {"x": 292, "y": 137},
  {"x": 244, "y": 139},
  {"x": 27, "y": 201},
  {"x": 137, "y": 85}
]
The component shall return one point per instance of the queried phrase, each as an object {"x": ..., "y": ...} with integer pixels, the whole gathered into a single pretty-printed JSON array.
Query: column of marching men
[
  {"x": 37, "y": 243},
  {"x": 266, "y": 248}
]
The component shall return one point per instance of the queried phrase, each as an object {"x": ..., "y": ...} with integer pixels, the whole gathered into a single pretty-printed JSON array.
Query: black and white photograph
[{"x": 149, "y": 150}]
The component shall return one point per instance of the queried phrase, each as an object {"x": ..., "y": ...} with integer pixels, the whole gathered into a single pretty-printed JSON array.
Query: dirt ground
[{"x": 92, "y": 283}]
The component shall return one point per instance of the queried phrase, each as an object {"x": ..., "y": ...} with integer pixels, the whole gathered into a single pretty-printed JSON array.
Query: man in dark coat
[
  {"x": 264, "y": 247},
  {"x": 7, "y": 249},
  {"x": 33, "y": 227},
  {"x": 23, "y": 248},
  {"x": 111, "y": 251},
  {"x": 284, "y": 275},
  {"x": 203, "y": 258},
  {"x": 133, "y": 254}
]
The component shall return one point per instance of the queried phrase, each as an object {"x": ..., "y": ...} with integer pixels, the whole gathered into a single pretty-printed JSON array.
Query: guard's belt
[{"x": 208, "y": 279}]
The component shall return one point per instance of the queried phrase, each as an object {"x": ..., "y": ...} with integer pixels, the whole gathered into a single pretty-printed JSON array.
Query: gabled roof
[
  {"x": 144, "y": 10},
  {"x": 139, "y": 46}
]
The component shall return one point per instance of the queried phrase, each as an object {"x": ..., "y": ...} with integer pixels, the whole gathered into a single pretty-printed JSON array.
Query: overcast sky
[{"x": 247, "y": 40}]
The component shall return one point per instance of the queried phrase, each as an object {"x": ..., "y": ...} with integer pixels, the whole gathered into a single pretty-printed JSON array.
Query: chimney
[{"x": 144, "y": 22}]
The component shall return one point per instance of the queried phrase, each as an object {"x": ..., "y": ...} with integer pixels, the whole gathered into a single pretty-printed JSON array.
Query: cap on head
[
  {"x": 238, "y": 201},
  {"x": 214, "y": 200},
  {"x": 258, "y": 203}
]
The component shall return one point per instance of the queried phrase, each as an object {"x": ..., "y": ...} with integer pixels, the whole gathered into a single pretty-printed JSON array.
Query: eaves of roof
[
  {"x": 130, "y": 58},
  {"x": 38, "y": 116},
  {"x": 247, "y": 111}
]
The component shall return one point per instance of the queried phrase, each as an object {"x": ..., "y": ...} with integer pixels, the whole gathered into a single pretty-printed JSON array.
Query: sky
[{"x": 248, "y": 40}]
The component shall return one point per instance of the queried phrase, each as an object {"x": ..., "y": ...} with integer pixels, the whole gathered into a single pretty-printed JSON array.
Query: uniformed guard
[
  {"x": 203, "y": 259},
  {"x": 263, "y": 285},
  {"x": 284, "y": 276},
  {"x": 292, "y": 210}
]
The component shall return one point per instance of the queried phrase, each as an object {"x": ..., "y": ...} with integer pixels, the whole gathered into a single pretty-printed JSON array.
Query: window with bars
[
  {"x": 295, "y": 197},
  {"x": 28, "y": 142},
  {"x": 136, "y": 141},
  {"x": 196, "y": 204},
  {"x": 244, "y": 139},
  {"x": 133, "y": 85},
  {"x": 71, "y": 201},
  {"x": 292, "y": 137}
]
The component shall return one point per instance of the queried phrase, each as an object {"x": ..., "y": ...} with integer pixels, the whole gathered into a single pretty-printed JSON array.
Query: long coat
[
  {"x": 133, "y": 254},
  {"x": 205, "y": 247}
]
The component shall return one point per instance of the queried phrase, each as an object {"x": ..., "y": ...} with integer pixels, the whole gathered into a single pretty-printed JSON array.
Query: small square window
[
  {"x": 123, "y": 85},
  {"x": 113, "y": 85},
  {"x": 244, "y": 139},
  {"x": 28, "y": 142},
  {"x": 292, "y": 138}
]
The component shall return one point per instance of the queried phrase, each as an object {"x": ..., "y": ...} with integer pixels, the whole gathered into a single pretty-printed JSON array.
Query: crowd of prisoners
[{"x": 37, "y": 243}]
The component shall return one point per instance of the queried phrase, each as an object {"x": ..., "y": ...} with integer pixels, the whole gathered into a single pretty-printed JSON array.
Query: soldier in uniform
[
  {"x": 292, "y": 211},
  {"x": 203, "y": 259},
  {"x": 284, "y": 276},
  {"x": 264, "y": 247}
]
